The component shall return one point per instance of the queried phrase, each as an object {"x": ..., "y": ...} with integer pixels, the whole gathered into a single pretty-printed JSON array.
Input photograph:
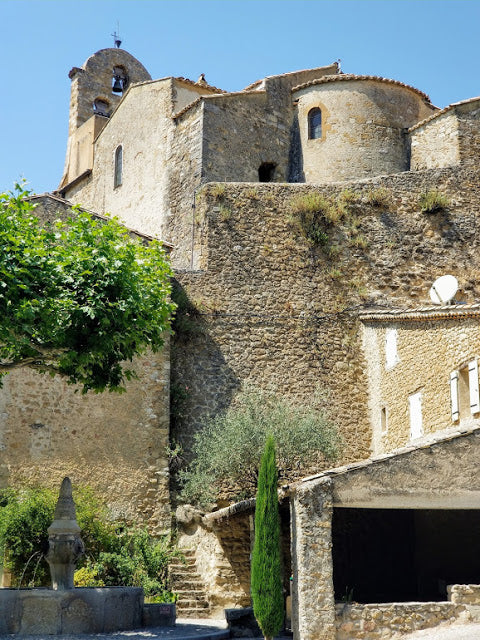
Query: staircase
[{"x": 184, "y": 580}]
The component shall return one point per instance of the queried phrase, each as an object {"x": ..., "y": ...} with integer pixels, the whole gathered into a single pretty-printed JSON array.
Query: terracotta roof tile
[
  {"x": 344, "y": 77},
  {"x": 442, "y": 111}
]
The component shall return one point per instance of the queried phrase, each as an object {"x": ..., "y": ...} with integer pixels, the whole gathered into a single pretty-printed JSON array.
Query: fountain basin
[{"x": 79, "y": 610}]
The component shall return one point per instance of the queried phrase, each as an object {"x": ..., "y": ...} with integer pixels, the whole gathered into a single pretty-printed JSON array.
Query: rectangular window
[
  {"x": 391, "y": 353},
  {"x": 415, "y": 406},
  {"x": 383, "y": 419}
]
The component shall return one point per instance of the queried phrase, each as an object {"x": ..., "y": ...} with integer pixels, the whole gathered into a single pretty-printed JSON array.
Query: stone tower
[{"x": 97, "y": 88}]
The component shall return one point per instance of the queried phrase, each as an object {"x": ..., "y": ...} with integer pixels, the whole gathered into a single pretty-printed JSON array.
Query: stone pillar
[{"x": 313, "y": 602}]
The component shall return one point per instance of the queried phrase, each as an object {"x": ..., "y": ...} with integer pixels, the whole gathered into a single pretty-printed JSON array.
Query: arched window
[
  {"x": 314, "y": 124},
  {"x": 117, "y": 179},
  {"x": 101, "y": 107}
]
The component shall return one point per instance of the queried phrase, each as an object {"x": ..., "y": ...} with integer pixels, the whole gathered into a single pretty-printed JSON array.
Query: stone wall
[
  {"x": 363, "y": 127},
  {"x": 185, "y": 171},
  {"x": 435, "y": 143},
  {"x": 464, "y": 594},
  {"x": 243, "y": 131},
  {"x": 393, "y": 620},
  {"x": 222, "y": 558},
  {"x": 452, "y": 137},
  {"x": 113, "y": 443},
  {"x": 277, "y": 311},
  {"x": 428, "y": 351}
]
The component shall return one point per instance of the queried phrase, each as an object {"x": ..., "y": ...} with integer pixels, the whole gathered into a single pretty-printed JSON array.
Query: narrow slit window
[
  {"x": 314, "y": 124},
  {"x": 117, "y": 180}
]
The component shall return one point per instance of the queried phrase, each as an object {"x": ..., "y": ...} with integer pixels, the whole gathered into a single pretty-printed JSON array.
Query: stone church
[{"x": 295, "y": 297}]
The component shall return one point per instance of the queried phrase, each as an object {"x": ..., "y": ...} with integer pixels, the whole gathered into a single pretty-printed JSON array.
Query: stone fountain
[{"x": 64, "y": 609}]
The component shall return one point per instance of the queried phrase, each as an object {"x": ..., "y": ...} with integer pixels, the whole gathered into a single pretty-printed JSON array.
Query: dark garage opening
[{"x": 400, "y": 555}]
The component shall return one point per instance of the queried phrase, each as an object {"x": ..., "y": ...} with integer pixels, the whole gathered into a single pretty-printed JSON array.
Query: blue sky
[{"x": 430, "y": 44}]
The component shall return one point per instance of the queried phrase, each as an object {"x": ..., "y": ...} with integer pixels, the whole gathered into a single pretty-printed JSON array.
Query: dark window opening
[
  {"x": 266, "y": 172},
  {"x": 402, "y": 555},
  {"x": 314, "y": 124},
  {"x": 117, "y": 179},
  {"x": 101, "y": 107},
  {"x": 119, "y": 80}
]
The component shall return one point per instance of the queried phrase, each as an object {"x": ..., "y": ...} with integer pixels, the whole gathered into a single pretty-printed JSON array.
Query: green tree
[
  {"x": 229, "y": 446},
  {"x": 78, "y": 297},
  {"x": 267, "y": 596}
]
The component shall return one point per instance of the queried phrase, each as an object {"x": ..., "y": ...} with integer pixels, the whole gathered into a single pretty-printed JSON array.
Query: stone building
[{"x": 227, "y": 179}]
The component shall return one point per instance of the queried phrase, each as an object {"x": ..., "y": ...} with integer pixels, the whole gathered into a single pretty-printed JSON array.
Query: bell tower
[{"x": 97, "y": 88}]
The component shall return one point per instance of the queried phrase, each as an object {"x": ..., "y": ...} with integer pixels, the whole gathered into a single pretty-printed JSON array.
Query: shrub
[
  {"x": 267, "y": 596},
  {"x": 433, "y": 202},
  {"x": 229, "y": 446}
]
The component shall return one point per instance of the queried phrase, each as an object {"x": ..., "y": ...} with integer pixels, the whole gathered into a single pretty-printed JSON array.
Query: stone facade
[{"x": 431, "y": 347}]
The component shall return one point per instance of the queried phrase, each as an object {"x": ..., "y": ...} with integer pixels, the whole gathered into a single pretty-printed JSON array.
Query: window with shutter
[
  {"x": 454, "y": 395},
  {"x": 473, "y": 386}
]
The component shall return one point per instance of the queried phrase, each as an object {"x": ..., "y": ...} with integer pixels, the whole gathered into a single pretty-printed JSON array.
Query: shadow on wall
[
  {"x": 202, "y": 383},
  {"x": 295, "y": 154}
]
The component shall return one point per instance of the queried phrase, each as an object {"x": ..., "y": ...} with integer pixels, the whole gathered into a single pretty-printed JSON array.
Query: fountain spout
[{"x": 65, "y": 545}]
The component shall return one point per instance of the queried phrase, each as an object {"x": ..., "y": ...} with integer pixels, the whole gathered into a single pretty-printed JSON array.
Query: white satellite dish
[{"x": 443, "y": 289}]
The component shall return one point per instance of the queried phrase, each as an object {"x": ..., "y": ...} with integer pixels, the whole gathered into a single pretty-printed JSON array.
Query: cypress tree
[{"x": 266, "y": 578}]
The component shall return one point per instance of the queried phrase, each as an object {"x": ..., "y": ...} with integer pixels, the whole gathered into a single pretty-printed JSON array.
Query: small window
[
  {"x": 314, "y": 124},
  {"x": 383, "y": 419},
  {"x": 266, "y": 172},
  {"x": 416, "y": 422},
  {"x": 117, "y": 180},
  {"x": 101, "y": 107},
  {"x": 391, "y": 353}
]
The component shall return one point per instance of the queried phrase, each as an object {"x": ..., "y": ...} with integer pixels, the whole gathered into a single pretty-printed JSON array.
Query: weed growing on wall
[
  {"x": 433, "y": 202},
  {"x": 229, "y": 446},
  {"x": 267, "y": 592},
  {"x": 313, "y": 213},
  {"x": 379, "y": 197}
]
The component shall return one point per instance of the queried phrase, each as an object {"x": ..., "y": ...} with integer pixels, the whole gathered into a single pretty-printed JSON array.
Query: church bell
[{"x": 117, "y": 85}]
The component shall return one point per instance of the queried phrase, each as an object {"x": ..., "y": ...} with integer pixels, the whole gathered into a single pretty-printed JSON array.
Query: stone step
[
  {"x": 194, "y": 594},
  {"x": 192, "y": 584},
  {"x": 199, "y": 613}
]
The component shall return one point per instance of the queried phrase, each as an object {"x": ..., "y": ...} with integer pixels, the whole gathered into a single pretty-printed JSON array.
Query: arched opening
[
  {"x": 119, "y": 80},
  {"x": 117, "y": 179},
  {"x": 314, "y": 124},
  {"x": 101, "y": 107},
  {"x": 266, "y": 172}
]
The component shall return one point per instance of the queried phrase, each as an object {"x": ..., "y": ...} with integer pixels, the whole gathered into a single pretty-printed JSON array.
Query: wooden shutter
[
  {"x": 454, "y": 395},
  {"x": 473, "y": 386}
]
